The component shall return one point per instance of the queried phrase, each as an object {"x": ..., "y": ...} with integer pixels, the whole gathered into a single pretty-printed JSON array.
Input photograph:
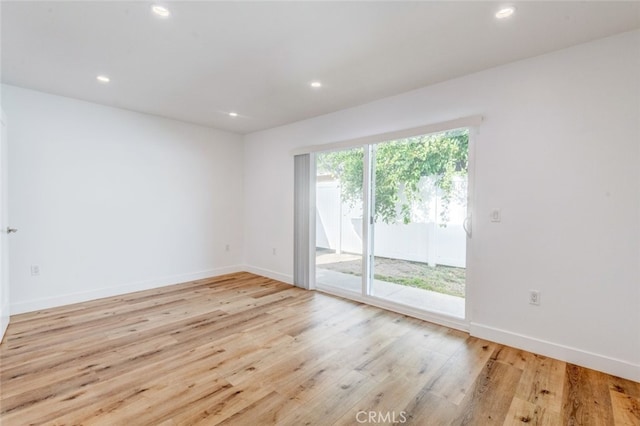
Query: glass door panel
[
  {"x": 419, "y": 198},
  {"x": 339, "y": 219}
]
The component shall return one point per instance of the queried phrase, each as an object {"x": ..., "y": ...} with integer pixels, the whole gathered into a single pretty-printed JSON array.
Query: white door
[{"x": 4, "y": 232}]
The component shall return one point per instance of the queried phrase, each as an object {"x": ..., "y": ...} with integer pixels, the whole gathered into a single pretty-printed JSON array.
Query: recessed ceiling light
[
  {"x": 316, "y": 84},
  {"x": 505, "y": 12},
  {"x": 233, "y": 114},
  {"x": 103, "y": 79},
  {"x": 160, "y": 10}
]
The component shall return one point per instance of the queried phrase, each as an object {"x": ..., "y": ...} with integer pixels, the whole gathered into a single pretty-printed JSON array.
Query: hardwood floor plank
[
  {"x": 243, "y": 349},
  {"x": 328, "y": 409},
  {"x": 395, "y": 360},
  {"x": 525, "y": 412},
  {"x": 483, "y": 406},
  {"x": 457, "y": 376},
  {"x": 389, "y": 398},
  {"x": 269, "y": 410},
  {"x": 624, "y": 386},
  {"x": 427, "y": 408},
  {"x": 215, "y": 411},
  {"x": 626, "y": 409},
  {"x": 587, "y": 400},
  {"x": 542, "y": 382}
]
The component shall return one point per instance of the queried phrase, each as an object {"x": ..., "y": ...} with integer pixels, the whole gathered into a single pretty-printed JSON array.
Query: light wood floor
[{"x": 247, "y": 350}]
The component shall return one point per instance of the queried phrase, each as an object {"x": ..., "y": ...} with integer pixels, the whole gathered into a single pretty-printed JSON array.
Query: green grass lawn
[{"x": 441, "y": 279}]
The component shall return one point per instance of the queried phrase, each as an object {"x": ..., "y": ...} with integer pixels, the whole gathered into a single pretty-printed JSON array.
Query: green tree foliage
[{"x": 399, "y": 167}]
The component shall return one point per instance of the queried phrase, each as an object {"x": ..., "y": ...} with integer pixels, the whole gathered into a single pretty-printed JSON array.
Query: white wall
[
  {"x": 564, "y": 128},
  {"x": 109, "y": 201}
]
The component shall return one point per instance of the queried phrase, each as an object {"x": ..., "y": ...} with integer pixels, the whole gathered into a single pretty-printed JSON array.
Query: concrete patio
[{"x": 410, "y": 296}]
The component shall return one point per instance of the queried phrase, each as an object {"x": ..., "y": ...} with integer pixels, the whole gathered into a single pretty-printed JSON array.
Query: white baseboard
[
  {"x": 269, "y": 274},
  {"x": 609, "y": 365},
  {"x": 4, "y": 323},
  {"x": 67, "y": 299}
]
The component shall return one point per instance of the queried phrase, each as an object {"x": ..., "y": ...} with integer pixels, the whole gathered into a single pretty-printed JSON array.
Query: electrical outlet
[
  {"x": 534, "y": 297},
  {"x": 227, "y": 248},
  {"x": 496, "y": 215},
  {"x": 273, "y": 251},
  {"x": 35, "y": 270}
]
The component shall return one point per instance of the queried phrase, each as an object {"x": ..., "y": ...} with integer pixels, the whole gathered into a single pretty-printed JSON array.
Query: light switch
[{"x": 496, "y": 216}]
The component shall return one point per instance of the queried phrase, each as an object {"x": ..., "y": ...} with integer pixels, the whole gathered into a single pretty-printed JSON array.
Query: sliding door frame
[
  {"x": 368, "y": 186},
  {"x": 471, "y": 214},
  {"x": 368, "y": 144}
]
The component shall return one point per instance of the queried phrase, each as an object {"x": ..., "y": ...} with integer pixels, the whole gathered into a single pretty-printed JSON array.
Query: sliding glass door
[{"x": 389, "y": 222}]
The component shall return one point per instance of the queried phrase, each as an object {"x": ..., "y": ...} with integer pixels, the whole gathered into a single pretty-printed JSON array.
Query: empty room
[{"x": 320, "y": 213}]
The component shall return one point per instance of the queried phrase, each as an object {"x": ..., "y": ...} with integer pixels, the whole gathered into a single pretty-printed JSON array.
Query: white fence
[{"x": 426, "y": 239}]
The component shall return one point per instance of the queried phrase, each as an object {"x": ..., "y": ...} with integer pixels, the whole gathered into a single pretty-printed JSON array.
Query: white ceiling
[{"x": 258, "y": 58}]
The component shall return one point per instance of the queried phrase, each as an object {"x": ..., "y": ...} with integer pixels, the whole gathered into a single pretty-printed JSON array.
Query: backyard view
[
  {"x": 418, "y": 202},
  {"x": 442, "y": 279}
]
